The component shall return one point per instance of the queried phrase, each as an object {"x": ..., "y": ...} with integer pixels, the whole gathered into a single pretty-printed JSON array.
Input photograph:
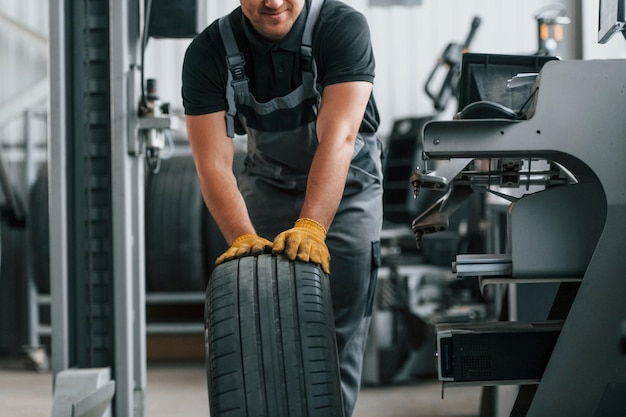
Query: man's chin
[{"x": 274, "y": 33}]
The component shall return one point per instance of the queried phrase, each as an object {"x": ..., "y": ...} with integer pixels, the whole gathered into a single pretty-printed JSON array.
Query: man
[{"x": 295, "y": 76}]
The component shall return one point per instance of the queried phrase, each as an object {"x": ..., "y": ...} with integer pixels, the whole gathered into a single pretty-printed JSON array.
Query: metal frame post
[
  {"x": 57, "y": 181},
  {"x": 128, "y": 209},
  {"x": 96, "y": 201}
]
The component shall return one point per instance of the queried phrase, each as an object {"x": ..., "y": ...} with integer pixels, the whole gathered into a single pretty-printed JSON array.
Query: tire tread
[{"x": 277, "y": 357}]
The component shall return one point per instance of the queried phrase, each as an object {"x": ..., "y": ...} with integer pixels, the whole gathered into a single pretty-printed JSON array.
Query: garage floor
[{"x": 179, "y": 389}]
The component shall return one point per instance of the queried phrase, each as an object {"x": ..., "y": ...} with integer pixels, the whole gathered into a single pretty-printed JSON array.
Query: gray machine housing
[{"x": 575, "y": 120}]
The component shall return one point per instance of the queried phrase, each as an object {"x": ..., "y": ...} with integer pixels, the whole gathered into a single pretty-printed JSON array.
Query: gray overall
[{"x": 273, "y": 184}]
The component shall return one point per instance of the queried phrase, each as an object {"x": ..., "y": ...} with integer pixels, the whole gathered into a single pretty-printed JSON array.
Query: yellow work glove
[
  {"x": 245, "y": 245},
  {"x": 304, "y": 242}
]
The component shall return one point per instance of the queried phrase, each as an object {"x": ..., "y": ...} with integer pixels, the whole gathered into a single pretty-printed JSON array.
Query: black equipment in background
[
  {"x": 174, "y": 19},
  {"x": 450, "y": 61},
  {"x": 611, "y": 19}
]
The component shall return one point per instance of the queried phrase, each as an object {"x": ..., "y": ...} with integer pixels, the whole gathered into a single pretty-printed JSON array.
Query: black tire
[
  {"x": 179, "y": 238},
  {"x": 270, "y": 338},
  {"x": 38, "y": 229}
]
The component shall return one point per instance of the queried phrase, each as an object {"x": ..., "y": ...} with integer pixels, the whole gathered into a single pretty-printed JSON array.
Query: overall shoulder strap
[
  {"x": 237, "y": 79},
  {"x": 307, "y": 60},
  {"x": 311, "y": 19},
  {"x": 306, "y": 48}
]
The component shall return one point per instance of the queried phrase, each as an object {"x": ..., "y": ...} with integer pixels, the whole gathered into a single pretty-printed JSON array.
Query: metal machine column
[
  {"x": 96, "y": 196},
  {"x": 86, "y": 174}
]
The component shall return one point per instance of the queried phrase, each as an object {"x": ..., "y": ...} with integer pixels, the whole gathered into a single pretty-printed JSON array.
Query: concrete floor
[{"x": 179, "y": 389}]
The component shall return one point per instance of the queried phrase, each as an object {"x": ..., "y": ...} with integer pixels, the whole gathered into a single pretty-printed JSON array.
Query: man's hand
[
  {"x": 245, "y": 245},
  {"x": 304, "y": 242}
]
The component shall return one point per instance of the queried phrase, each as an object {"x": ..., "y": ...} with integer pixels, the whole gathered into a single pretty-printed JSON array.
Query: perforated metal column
[{"x": 89, "y": 198}]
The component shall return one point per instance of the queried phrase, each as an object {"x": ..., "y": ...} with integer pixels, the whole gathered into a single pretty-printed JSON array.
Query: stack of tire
[{"x": 182, "y": 239}]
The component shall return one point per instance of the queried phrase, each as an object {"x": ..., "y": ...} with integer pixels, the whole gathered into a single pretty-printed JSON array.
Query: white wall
[
  {"x": 23, "y": 64},
  {"x": 408, "y": 41}
]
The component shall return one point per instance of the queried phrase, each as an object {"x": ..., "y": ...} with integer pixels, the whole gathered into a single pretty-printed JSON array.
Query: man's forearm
[
  {"x": 340, "y": 116},
  {"x": 226, "y": 205},
  {"x": 327, "y": 179},
  {"x": 213, "y": 152}
]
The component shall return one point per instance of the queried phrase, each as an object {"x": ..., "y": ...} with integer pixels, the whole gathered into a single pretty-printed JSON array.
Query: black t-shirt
[{"x": 341, "y": 47}]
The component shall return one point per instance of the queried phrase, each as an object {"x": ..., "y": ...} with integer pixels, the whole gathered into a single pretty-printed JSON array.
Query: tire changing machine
[{"x": 575, "y": 121}]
